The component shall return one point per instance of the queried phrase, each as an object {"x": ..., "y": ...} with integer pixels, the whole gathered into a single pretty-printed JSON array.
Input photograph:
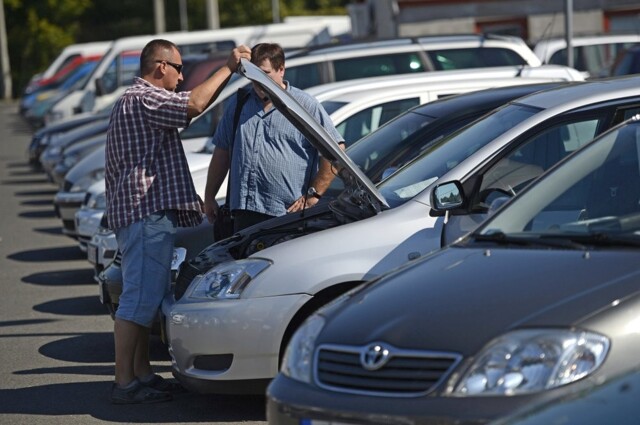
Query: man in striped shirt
[{"x": 149, "y": 193}]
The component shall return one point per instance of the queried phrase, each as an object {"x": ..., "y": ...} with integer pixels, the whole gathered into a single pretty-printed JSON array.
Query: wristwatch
[{"x": 313, "y": 192}]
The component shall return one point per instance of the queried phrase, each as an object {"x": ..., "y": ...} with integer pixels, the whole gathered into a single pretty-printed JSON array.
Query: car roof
[
  {"x": 418, "y": 44},
  {"x": 547, "y": 47},
  {"x": 332, "y": 90},
  {"x": 432, "y": 40},
  {"x": 585, "y": 93},
  {"x": 494, "y": 95},
  {"x": 553, "y": 102},
  {"x": 357, "y": 99}
]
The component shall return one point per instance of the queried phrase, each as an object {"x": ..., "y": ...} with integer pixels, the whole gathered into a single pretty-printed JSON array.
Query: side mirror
[
  {"x": 447, "y": 196},
  {"x": 99, "y": 87}
]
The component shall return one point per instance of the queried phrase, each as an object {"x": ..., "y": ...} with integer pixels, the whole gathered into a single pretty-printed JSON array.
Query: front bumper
[
  {"x": 66, "y": 205},
  {"x": 110, "y": 279},
  {"x": 290, "y": 402},
  {"x": 217, "y": 346},
  {"x": 87, "y": 224},
  {"x": 101, "y": 250}
]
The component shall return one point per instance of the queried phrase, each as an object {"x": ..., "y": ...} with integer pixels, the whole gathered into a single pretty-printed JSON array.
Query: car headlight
[
  {"x": 227, "y": 280},
  {"x": 70, "y": 160},
  {"x": 532, "y": 360},
  {"x": 54, "y": 151},
  {"x": 53, "y": 116},
  {"x": 82, "y": 185},
  {"x": 97, "y": 201},
  {"x": 298, "y": 358}
]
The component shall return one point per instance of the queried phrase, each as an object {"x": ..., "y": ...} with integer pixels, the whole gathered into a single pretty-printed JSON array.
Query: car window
[
  {"x": 331, "y": 106},
  {"x": 594, "y": 59},
  {"x": 474, "y": 58},
  {"x": 597, "y": 191},
  {"x": 206, "y": 124},
  {"x": 210, "y": 47},
  {"x": 377, "y": 65},
  {"x": 537, "y": 154},
  {"x": 441, "y": 157},
  {"x": 629, "y": 64},
  {"x": 368, "y": 120},
  {"x": 120, "y": 72},
  {"x": 303, "y": 76}
]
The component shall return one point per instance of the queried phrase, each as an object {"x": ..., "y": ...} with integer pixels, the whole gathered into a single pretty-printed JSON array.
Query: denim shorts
[{"x": 147, "y": 250}]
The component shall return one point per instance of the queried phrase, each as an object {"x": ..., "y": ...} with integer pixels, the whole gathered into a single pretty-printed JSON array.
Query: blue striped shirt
[
  {"x": 272, "y": 161},
  {"x": 146, "y": 169}
]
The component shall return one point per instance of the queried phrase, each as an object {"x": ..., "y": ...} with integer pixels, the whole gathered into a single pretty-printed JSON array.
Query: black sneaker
[
  {"x": 160, "y": 384},
  {"x": 138, "y": 394}
]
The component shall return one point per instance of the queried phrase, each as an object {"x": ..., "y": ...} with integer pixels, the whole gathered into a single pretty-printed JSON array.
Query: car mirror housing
[
  {"x": 447, "y": 196},
  {"x": 99, "y": 87}
]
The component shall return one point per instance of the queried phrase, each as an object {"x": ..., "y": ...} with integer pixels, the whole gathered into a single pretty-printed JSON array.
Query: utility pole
[
  {"x": 184, "y": 16},
  {"x": 568, "y": 28},
  {"x": 4, "y": 57},
  {"x": 158, "y": 15},
  {"x": 275, "y": 11},
  {"x": 213, "y": 16}
]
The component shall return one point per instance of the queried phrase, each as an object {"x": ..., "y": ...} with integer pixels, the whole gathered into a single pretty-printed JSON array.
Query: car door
[{"x": 526, "y": 158}]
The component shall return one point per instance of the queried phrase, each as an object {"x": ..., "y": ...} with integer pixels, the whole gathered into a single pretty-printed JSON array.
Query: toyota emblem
[{"x": 374, "y": 357}]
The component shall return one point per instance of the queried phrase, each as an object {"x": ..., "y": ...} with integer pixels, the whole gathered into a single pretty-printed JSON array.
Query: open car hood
[{"x": 354, "y": 179}]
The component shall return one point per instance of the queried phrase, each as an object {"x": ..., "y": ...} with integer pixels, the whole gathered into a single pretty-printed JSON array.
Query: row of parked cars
[{"x": 437, "y": 284}]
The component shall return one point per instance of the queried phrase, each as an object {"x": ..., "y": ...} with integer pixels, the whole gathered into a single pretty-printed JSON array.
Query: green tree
[{"x": 37, "y": 30}]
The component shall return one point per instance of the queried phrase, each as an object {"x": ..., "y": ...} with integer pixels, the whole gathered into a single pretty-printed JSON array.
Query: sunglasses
[{"x": 176, "y": 66}]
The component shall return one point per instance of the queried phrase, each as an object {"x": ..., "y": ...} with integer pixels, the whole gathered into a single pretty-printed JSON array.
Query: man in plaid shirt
[{"x": 149, "y": 193}]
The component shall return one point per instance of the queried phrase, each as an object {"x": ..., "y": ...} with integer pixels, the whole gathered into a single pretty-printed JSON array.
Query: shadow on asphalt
[
  {"x": 93, "y": 400},
  {"x": 57, "y": 230},
  {"x": 18, "y": 165},
  {"x": 41, "y": 192},
  {"x": 29, "y": 172},
  {"x": 62, "y": 278},
  {"x": 50, "y": 213},
  {"x": 78, "y": 306},
  {"x": 12, "y": 323},
  {"x": 78, "y": 370},
  {"x": 25, "y": 181},
  {"x": 95, "y": 347},
  {"x": 64, "y": 253},
  {"x": 38, "y": 203}
]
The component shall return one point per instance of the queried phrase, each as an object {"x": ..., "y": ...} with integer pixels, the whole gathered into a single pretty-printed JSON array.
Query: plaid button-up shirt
[{"x": 146, "y": 169}]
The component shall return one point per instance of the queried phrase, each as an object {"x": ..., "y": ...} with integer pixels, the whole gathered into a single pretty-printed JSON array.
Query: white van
[
  {"x": 593, "y": 55},
  {"x": 70, "y": 52},
  {"x": 93, "y": 94}
]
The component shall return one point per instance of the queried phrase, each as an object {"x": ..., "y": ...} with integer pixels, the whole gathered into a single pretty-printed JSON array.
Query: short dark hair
[
  {"x": 271, "y": 51},
  {"x": 157, "y": 49}
]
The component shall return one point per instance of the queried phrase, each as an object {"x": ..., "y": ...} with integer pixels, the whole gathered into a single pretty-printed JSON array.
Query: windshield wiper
[
  {"x": 601, "y": 239},
  {"x": 529, "y": 240}
]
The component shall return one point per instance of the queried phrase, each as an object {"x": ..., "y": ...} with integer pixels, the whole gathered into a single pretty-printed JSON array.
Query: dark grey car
[{"x": 542, "y": 300}]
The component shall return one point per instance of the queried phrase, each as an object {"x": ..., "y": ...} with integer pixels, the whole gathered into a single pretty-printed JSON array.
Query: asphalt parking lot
[{"x": 56, "y": 354}]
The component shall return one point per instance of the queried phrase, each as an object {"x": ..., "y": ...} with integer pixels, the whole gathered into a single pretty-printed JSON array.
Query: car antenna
[{"x": 545, "y": 35}]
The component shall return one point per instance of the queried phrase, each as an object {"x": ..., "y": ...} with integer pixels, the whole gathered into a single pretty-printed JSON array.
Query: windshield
[
  {"x": 367, "y": 151},
  {"x": 593, "y": 197},
  {"x": 449, "y": 152}
]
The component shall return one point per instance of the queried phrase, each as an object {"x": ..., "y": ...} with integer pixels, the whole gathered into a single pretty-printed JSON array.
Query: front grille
[
  {"x": 69, "y": 225},
  {"x": 402, "y": 373}
]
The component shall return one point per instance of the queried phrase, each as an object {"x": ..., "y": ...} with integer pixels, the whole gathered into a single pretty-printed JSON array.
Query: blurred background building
[{"x": 532, "y": 20}]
